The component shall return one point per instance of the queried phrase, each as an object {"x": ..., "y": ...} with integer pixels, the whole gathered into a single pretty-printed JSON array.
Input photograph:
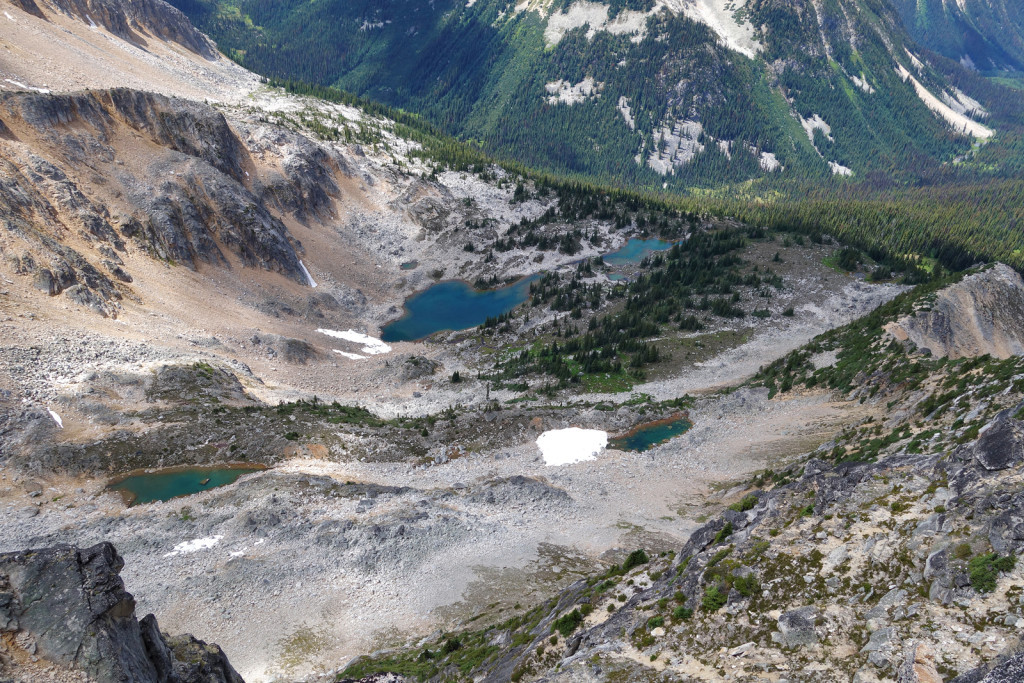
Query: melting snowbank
[
  {"x": 371, "y": 345},
  {"x": 566, "y": 446},
  {"x": 194, "y": 545}
]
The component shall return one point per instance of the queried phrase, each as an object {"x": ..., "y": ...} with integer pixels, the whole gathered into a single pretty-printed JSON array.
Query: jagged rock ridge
[
  {"x": 133, "y": 21},
  {"x": 67, "y": 608},
  {"x": 85, "y": 175}
]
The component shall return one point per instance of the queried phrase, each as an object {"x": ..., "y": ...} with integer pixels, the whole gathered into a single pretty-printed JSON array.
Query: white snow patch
[
  {"x": 371, "y": 345},
  {"x": 309, "y": 278},
  {"x": 566, "y": 446},
  {"x": 839, "y": 169},
  {"x": 958, "y": 121},
  {"x": 56, "y": 418},
  {"x": 21, "y": 85},
  {"x": 963, "y": 103},
  {"x": 627, "y": 112},
  {"x": 564, "y": 92},
  {"x": 350, "y": 356},
  {"x": 676, "y": 146},
  {"x": 968, "y": 63},
  {"x": 194, "y": 545},
  {"x": 595, "y": 17},
  {"x": 816, "y": 123},
  {"x": 767, "y": 160},
  {"x": 92, "y": 24},
  {"x": 914, "y": 60},
  {"x": 720, "y": 16},
  {"x": 6, "y": 14},
  {"x": 863, "y": 84}
]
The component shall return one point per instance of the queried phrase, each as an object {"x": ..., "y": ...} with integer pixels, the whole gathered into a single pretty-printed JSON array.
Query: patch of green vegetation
[
  {"x": 713, "y": 599},
  {"x": 748, "y": 503},
  {"x": 635, "y": 559},
  {"x": 984, "y": 569},
  {"x": 567, "y": 623},
  {"x": 723, "y": 533}
]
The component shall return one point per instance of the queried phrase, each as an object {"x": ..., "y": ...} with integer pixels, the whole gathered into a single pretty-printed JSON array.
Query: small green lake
[
  {"x": 454, "y": 305},
  {"x": 409, "y": 265},
  {"x": 172, "y": 482},
  {"x": 650, "y": 435},
  {"x": 635, "y": 250}
]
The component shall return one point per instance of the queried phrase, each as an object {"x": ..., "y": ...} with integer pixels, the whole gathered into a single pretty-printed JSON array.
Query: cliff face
[
  {"x": 85, "y": 176},
  {"x": 67, "y": 608},
  {"x": 984, "y": 313},
  {"x": 133, "y": 21}
]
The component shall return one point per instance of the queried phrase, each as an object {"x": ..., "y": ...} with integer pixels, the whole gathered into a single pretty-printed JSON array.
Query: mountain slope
[
  {"x": 981, "y": 34},
  {"x": 638, "y": 93}
]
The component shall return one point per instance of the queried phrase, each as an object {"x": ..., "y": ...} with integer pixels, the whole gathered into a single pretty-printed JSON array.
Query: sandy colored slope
[{"x": 61, "y": 53}]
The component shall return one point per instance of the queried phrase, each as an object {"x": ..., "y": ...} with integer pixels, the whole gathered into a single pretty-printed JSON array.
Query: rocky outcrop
[
  {"x": 982, "y": 314},
  {"x": 88, "y": 175},
  {"x": 66, "y": 608},
  {"x": 134, "y": 20}
]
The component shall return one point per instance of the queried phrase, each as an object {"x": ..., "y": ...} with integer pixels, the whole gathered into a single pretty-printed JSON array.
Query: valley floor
[{"x": 322, "y": 558}]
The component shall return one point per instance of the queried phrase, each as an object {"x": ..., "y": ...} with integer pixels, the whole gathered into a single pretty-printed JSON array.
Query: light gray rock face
[
  {"x": 983, "y": 313},
  {"x": 796, "y": 627},
  {"x": 68, "y": 607}
]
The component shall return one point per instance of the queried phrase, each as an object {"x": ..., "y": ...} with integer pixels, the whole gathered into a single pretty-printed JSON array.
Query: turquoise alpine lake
[
  {"x": 634, "y": 251},
  {"x": 650, "y": 435},
  {"x": 172, "y": 482},
  {"x": 454, "y": 305}
]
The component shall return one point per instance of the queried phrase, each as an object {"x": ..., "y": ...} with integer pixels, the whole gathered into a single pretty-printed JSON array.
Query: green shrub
[
  {"x": 567, "y": 623},
  {"x": 635, "y": 559},
  {"x": 746, "y": 585},
  {"x": 713, "y": 599},
  {"x": 963, "y": 551},
  {"x": 655, "y": 622},
  {"x": 681, "y": 613},
  {"x": 723, "y": 533},
  {"x": 450, "y": 645},
  {"x": 748, "y": 503},
  {"x": 984, "y": 569}
]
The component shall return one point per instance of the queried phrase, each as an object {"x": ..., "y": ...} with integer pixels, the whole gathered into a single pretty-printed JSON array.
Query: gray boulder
[
  {"x": 796, "y": 627},
  {"x": 1001, "y": 445}
]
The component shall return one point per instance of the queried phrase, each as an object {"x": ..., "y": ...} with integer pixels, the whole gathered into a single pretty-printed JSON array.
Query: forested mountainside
[
  {"x": 646, "y": 93},
  {"x": 987, "y": 35}
]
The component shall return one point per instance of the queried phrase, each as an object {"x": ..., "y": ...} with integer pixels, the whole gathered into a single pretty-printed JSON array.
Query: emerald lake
[
  {"x": 650, "y": 435},
  {"x": 172, "y": 482}
]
